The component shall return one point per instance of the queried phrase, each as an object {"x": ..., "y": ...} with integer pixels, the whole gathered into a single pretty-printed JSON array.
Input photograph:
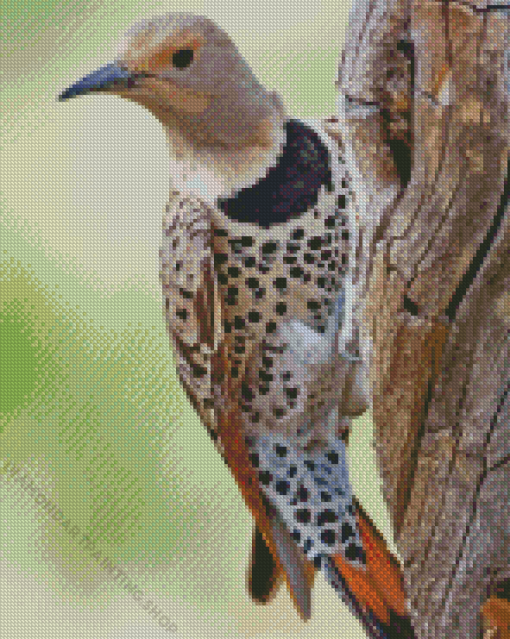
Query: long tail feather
[
  {"x": 374, "y": 592},
  {"x": 379, "y": 622},
  {"x": 294, "y": 563},
  {"x": 384, "y": 569},
  {"x": 264, "y": 574},
  {"x": 374, "y": 628}
]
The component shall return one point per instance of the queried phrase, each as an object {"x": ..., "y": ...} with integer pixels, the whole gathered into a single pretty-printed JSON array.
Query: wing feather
[
  {"x": 193, "y": 310},
  {"x": 192, "y": 300}
]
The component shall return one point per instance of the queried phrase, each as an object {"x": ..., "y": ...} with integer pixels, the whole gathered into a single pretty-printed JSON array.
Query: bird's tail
[
  {"x": 374, "y": 591},
  {"x": 314, "y": 519}
]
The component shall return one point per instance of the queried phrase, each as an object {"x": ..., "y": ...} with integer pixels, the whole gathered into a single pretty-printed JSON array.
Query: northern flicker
[{"x": 253, "y": 260}]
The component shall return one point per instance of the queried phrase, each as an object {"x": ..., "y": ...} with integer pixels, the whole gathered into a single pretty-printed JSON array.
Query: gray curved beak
[{"x": 105, "y": 78}]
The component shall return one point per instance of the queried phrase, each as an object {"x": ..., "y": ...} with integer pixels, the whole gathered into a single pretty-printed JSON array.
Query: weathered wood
[
  {"x": 424, "y": 115},
  {"x": 457, "y": 523}
]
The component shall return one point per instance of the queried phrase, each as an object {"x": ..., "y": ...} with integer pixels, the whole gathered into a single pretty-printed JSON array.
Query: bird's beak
[{"x": 108, "y": 78}]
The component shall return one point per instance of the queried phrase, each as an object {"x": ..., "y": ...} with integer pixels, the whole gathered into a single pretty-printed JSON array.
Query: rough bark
[{"x": 424, "y": 92}]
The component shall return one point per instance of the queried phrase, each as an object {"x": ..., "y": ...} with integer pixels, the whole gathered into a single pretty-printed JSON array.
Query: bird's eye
[{"x": 182, "y": 58}]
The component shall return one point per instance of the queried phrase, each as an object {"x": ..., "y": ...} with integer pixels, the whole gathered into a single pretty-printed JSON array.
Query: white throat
[{"x": 210, "y": 173}]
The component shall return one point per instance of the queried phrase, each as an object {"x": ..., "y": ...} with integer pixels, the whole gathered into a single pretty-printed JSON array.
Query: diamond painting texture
[{"x": 186, "y": 450}]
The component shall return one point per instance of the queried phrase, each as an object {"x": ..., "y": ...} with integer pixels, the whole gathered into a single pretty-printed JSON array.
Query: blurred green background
[{"x": 90, "y": 409}]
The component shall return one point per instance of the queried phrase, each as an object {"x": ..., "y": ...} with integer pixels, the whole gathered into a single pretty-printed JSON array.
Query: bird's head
[{"x": 190, "y": 75}]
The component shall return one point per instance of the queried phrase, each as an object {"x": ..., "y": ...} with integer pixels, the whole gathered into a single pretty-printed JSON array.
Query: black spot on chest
[{"x": 291, "y": 187}]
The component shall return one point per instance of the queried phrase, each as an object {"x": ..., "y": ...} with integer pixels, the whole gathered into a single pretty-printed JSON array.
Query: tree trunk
[{"x": 424, "y": 91}]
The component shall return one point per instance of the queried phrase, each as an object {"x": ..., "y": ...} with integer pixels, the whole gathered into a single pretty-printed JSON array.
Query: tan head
[
  {"x": 188, "y": 72},
  {"x": 223, "y": 126}
]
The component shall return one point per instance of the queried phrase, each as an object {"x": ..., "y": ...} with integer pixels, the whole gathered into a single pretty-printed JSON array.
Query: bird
[{"x": 253, "y": 262}]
